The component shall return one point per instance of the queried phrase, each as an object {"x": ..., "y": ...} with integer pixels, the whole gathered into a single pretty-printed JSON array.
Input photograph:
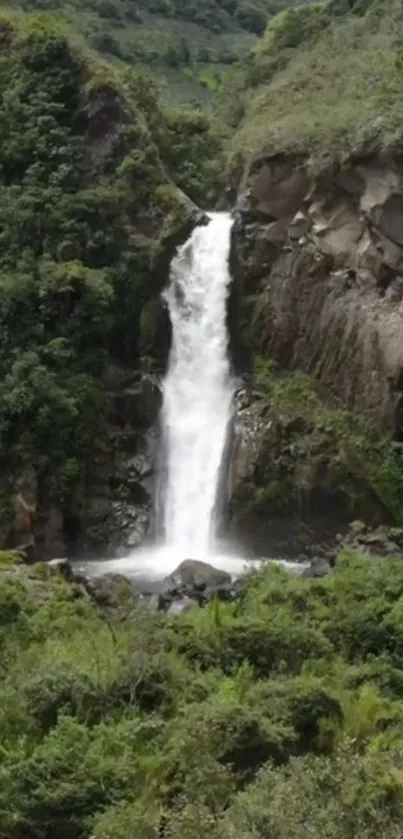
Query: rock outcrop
[
  {"x": 295, "y": 480},
  {"x": 194, "y": 581},
  {"x": 197, "y": 574},
  {"x": 320, "y": 262},
  {"x": 118, "y": 512}
]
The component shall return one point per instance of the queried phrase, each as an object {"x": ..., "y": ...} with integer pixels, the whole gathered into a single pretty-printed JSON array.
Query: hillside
[
  {"x": 314, "y": 126},
  {"x": 323, "y": 82},
  {"x": 265, "y": 707},
  {"x": 89, "y": 219},
  {"x": 184, "y": 46}
]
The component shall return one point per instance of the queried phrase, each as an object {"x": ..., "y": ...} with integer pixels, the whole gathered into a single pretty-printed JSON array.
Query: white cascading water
[
  {"x": 197, "y": 401},
  {"x": 198, "y": 388}
]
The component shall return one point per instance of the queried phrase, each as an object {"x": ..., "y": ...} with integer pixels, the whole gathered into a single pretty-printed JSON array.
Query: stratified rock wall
[{"x": 320, "y": 261}]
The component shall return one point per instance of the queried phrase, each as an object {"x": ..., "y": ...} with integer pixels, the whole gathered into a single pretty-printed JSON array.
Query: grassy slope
[
  {"x": 335, "y": 92},
  {"x": 184, "y": 46}
]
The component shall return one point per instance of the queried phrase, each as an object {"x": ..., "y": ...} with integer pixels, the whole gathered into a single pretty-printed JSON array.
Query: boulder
[
  {"x": 111, "y": 590},
  {"x": 197, "y": 575},
  {"x": 62, "y": 564},
  {"x": 319, "y": 567},
  {"x": 381, "y": 541}
]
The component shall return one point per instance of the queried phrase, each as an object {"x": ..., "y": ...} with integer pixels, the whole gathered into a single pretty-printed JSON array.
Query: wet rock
[
  {"x": 193, "y": 573},
  {"x": 51, "y": 540},
  {"x": 319, "y": 567},
  {"x": 381, "y": 541},
  {"x": 180, "y": 607},
  {"x": 195, "y": 583},
  {"x": 62, "y": 564},
  {"x": 227, "y": 593},
  {"x": 114, "y": 526},
  {"x": 26, "y": 553},
  {"x": 284, "y": 482},
  {"x": 299, "y": 226},
  {"x": 155, "y": 331},
  {"x": 137, "y": 405}
]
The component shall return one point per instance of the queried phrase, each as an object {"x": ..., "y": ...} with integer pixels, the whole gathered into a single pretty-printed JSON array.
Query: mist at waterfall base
[{"x": 198, "y": 399}]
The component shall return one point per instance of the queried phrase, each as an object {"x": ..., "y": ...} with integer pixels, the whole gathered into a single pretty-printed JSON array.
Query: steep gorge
[
  {"x": 316, "y": 263},
  {"x": 206, "y": 703}
]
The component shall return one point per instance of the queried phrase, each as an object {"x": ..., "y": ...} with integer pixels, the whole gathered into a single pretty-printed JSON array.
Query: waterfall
[
  {"x": 198, "y": 393},
  {"x": 198, "y": 389},
  {"x": 196, "y": 412}
]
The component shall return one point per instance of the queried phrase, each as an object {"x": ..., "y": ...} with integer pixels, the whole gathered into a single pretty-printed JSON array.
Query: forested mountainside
[
  {"x": 87, "y": 207},
  {"x": 268, "y": 708},
  {"x": 185, "y": 46}
]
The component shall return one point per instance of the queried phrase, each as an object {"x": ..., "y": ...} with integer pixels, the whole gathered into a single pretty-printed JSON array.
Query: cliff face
[
  {"x": 320, "y": 262},
  {"x": 318, "y": 265}
]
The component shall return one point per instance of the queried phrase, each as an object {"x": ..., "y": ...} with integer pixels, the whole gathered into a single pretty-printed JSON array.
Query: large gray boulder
[{"x": 195, "y": 574}]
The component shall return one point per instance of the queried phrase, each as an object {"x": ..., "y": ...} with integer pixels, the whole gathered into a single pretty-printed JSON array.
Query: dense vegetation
[
  {"x": 185, "y": 45},
  {"x": 307, "y": 87},
  {"x": 311, "y": 448},
  {"x": 277, "y": 716},
  {"x": 85, "y": 158}
]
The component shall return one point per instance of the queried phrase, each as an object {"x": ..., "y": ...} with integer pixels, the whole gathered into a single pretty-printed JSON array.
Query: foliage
[
  {"x": 85, "y": 158},
  {"x": 168, "y": 37},
  {"x": 356, "y": 462},
  {"x": 305, "y": 88},
  {"x": 275, "y": 715}
]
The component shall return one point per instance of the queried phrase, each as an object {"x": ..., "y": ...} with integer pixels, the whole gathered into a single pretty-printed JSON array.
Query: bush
[{"x": 234, "y": 720}]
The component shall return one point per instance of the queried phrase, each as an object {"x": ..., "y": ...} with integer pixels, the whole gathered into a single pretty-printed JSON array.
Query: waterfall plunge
[
  {"x": 197, "y": 402},
  {"x": 198, "y": 389}
]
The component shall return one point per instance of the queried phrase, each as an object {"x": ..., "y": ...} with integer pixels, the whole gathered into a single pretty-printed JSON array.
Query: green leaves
[{"x": 110, "y": 724}]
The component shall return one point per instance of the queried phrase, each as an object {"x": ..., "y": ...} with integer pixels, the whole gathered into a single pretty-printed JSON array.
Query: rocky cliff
[
  {"x": 318, "y": 264},
  {"x": 322, "y": 260}
]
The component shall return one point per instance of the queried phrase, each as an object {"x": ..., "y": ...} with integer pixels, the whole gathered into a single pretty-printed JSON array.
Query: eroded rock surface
[{"x": 322, "y": 259}]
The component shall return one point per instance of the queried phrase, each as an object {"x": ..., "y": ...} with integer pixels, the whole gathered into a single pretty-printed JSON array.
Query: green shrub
[
  {"x": 293, "y": 27},
  {"x": 276, "y": 715}
]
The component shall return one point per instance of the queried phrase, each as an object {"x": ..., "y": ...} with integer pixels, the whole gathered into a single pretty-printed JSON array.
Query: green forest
[{"x": 278, "y": 715}]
